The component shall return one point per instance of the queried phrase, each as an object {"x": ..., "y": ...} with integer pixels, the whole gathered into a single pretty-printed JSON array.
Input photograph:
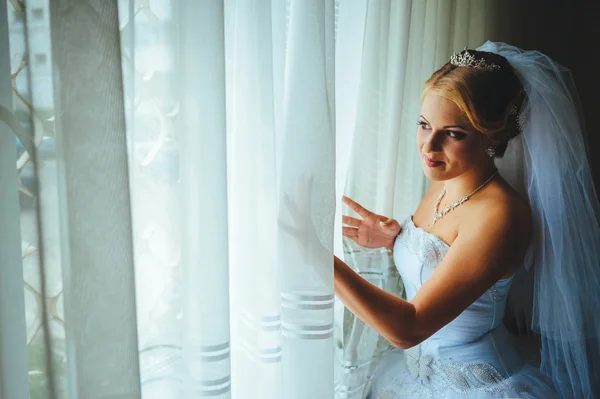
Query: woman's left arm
[
  {"x": 484, "y": 250},
  {"x": 389, "y": 315}
]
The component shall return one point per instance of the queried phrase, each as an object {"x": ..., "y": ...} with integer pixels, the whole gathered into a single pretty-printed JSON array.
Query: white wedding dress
[{"x": 471, "y": 357}]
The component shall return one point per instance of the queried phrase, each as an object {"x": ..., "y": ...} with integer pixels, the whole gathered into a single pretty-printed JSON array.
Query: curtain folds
[
  {"x": 185, "y": 152},
  {"x": 94, "y": 208},
  {"x": 190, "y": 156},
  {"x": 202, "y": 146},
  {"x": 306, "y": 160},
  {"x": 404, "y": 42}
]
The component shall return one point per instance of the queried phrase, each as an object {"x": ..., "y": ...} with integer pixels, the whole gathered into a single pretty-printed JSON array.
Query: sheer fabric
[
  {"x": 402, "y": 44},
  {"x": 173, "y": 130},
  {"x": 565, "y": 208}
]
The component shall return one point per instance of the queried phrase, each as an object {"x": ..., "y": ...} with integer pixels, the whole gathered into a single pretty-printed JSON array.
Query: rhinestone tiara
[{"x": 464, "y": 58}]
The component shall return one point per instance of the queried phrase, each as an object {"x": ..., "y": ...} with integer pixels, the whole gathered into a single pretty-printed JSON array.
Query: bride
[{"x": 457, "y": 254}]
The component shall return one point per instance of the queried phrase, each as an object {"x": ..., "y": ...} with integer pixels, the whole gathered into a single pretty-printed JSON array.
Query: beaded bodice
[
  {"x": 417, "y": 254},
  {"x": 471, "y": 353}
]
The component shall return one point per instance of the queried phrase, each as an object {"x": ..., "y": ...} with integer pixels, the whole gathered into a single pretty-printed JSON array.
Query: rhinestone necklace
[{"x": 438, "y": 215}]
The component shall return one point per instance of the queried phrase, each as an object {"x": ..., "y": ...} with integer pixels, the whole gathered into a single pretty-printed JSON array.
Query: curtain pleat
[
  {"x": 404, "y": 42},
  {"x": 151, "y": 67},
  {"x": 476, "y": 21},
  {"x": 372, "y": 174},
  {"x": 461, "y": 30},
  {"x": 94, "y": 202},
  {"x": 203, "y": 182},
  {"x": 306, "y": 161},
  {"x": 255, "y": 276},
  {"x": 348, "y": 51}
]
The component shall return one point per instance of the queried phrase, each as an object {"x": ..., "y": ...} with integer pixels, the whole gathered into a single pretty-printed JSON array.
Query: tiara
[{"x": 464, "y": 58}]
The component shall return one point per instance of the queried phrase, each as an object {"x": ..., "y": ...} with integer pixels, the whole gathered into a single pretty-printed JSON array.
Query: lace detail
[
  {"x": 427, "y": 247},
  {"x": 496, "y": 297},
  {"x": 430, "y": 249},
  {"x": 436, "y": 378}
]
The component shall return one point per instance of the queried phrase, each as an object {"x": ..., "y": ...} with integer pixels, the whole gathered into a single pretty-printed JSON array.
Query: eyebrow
[{"x": 446, "y": 127}]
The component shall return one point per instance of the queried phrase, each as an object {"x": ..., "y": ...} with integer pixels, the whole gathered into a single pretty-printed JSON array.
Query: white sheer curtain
[
  {"x": 404, "y": 42},
  {"x": 173, "y": 139},
  {"x": 168, "y": 134}
]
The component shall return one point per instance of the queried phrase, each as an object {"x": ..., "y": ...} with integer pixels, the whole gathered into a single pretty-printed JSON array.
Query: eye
[
  {"x": 423, "y": 125},
  {"x": 455, "y": 135}
]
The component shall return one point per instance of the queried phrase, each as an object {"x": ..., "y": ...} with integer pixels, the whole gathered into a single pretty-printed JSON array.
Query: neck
[{"x": 469, "y": 181}]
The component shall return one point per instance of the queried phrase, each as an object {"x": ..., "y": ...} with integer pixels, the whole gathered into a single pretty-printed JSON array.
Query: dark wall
[{"x": 569, "y": 32}]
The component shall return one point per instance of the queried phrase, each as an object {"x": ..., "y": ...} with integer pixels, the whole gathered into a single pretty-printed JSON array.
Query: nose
[{"x": 432, "y": 142}]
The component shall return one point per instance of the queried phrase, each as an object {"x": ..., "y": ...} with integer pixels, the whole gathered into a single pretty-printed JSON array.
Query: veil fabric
[{"x": 554, "y": 175}]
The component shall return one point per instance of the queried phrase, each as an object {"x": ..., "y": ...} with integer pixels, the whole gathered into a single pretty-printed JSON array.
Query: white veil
[{"x": 556, "y": 179}]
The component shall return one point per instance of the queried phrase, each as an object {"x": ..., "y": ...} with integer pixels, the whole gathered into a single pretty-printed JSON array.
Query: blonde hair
[{"x": 485, "y": 97}]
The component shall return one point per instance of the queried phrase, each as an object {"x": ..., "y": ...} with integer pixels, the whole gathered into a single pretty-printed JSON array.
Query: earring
[{"x": 490, "y": 151}]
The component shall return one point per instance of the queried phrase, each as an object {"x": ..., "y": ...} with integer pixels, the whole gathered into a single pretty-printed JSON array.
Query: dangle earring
[{"x": 490, "y": 151}]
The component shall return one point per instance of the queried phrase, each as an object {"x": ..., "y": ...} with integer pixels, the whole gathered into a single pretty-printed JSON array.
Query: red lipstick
[{"x": 431, "y": 162}]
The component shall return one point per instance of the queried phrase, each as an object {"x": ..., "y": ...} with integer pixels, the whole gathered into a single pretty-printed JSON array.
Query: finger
[
  {"x": 350, "y": 232},
  {"x": 356, "y": 207},
  {"x": 350, "y": 221}
]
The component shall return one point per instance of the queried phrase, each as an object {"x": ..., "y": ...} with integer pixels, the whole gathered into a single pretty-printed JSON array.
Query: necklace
[{"x": 438, "y": 215}]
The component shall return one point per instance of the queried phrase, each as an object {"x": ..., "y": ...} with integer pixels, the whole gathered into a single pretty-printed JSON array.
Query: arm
[
  {"x": 389, "y": 315},
  {"x": 486, "y": 247}
]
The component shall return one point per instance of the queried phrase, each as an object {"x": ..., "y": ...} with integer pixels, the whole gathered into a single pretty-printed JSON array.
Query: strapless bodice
[
  {"x": 417, "y": 254},
  {"x": 473, "y": 355}
]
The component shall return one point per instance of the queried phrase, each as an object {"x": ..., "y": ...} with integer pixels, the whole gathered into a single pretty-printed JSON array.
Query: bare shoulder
[
  {"x": 500, "y": 210},
  {"x": 490, "y": 245}
]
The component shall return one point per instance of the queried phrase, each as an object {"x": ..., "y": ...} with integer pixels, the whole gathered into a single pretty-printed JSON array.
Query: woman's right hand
[{"x": 373, "y": 230}]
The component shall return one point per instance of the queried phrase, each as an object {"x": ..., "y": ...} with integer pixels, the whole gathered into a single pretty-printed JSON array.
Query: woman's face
[{"x": 448, "y": 144}]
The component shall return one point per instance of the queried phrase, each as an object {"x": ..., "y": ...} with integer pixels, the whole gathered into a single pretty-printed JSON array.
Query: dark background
[{"x": 569, "y": 32}]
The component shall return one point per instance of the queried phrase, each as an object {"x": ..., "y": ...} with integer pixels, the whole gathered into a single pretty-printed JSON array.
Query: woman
[{"x": 459, "y": 251}]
